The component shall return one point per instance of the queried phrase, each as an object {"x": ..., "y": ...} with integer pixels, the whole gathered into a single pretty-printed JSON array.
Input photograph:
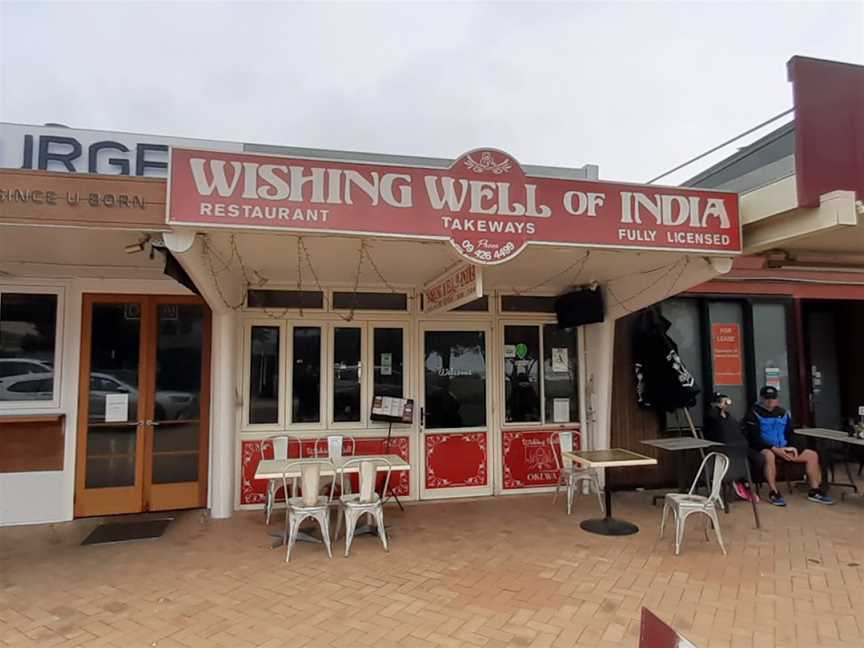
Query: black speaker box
[{"x": 579, "y": 307}]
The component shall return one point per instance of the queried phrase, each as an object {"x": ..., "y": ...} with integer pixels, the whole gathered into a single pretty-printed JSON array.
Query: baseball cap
[
  {"x": 769, "y": 393},
  {"x": 718, "y": 397}
]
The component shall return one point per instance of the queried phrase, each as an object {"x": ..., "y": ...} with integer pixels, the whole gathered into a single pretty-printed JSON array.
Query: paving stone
[{"x": 509, "y": 571}]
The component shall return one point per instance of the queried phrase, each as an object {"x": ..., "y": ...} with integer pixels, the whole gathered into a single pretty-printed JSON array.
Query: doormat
[{"x": 125, "y": 531}]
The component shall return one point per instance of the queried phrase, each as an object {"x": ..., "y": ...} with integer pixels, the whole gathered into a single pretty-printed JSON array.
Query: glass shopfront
[{"x": 491, "y": 381}]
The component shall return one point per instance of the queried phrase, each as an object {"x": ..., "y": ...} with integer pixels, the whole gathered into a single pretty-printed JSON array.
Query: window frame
[
  {"x": 705, "y": 380},
  {"x": 286, "y": 374},
  {"x": 542, "y": 424},
  {"x": 248, "y": 325},
  {"x": 324, "y": 383},
  {"x": 59, "y": 328}
]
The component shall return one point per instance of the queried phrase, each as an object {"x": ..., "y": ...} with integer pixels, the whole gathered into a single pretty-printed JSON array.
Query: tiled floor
[{"x": 512, "y": 571}]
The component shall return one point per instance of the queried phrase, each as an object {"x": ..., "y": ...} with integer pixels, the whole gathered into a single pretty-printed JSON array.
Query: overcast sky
[{"x": 635, "y": 88}]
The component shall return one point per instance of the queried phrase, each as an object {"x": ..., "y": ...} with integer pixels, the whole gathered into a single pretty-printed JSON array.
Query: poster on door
[{"x": 726, "y": 351}]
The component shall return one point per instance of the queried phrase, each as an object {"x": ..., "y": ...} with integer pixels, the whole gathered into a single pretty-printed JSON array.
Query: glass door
[
  {"x": 143, "y": 403},
  {"x": 455, "y": 411}
]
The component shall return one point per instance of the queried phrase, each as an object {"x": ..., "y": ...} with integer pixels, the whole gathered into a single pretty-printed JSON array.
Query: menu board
[{"x": 395, "y": 410}]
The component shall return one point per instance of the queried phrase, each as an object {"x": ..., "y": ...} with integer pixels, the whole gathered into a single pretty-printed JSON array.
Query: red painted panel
[
  {"x": 528, "y": 459},
  {"x": 456, "y": 460},
  {"x": 829, "y": 127},
  {"x": 253, "y": 491}
]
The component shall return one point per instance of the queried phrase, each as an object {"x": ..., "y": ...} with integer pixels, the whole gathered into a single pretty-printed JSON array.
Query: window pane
[
  {"x": 522, "y": 374},
  {"x": 346, "y": 374},
  {"x": 560, "y": 375},
  {"x": 527, "y": 304},
  {"x": 27, "y": 333},
  {"x": 370, "y": 301},
  {"x": 285, "y": 299},
  {"x": 114, "y": 366},
  {"x": 455, "y": 372},
  {"x": 727, "y": 354},
  {"x": 264, "y": 378},
  {"x": 179, "y": 354},
  {"x": 481, "y": 304},
  {"x": 769, "y": 342},
  {"x": 388, "y": 362},
  {"x": 686, "y": 332},
  {"x": 306, "y": 379}
]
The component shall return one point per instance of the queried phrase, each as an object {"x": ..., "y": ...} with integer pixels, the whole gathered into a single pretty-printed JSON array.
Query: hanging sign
[
  {"x": 459, "y": 285},
  {"x": 484, "y": 204},
  {"x": 726, "y": 350}
]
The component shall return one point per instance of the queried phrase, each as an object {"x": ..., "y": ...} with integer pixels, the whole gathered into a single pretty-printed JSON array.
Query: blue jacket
[{"x": 768, "y": 429}]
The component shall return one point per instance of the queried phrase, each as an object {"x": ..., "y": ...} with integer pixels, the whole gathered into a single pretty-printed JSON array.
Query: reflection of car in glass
[
  {"x": 22, "y": 366},
  {"x": 27, "y": 387},
  {"x": 170, "y": 405}
]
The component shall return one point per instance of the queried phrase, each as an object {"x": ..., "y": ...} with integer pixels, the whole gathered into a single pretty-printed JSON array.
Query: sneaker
[
  {"x": 776, "y": 498},
  {"x": 741, "y": 491},
  {"x": 816, "y": 495}
]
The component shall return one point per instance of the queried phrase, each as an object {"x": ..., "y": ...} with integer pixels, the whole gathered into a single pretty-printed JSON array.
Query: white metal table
[
  {"x": 836, "y": 436},
  {"x": 613, "y": 458},
  {"x": 275, "y": 469}
]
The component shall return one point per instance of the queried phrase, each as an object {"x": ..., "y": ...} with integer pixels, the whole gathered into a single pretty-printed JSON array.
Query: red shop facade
[{"x": 334, "y": 280}]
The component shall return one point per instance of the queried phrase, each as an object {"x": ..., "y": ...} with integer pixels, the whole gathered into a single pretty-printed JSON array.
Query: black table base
[{"x": 608, "y": 525}]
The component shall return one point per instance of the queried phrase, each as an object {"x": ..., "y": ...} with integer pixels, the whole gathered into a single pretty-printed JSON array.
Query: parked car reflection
[{"x": 171, "y": 405}]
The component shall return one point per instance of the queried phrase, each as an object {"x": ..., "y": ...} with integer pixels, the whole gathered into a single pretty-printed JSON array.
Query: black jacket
[{"x": 662, "y": 380}]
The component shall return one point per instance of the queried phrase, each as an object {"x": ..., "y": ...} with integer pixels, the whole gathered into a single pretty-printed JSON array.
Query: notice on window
[
  {"x": 509, "y": 350},
  {"x": 561, "y": 410},
  {"x": 116, "y": 408},
  {"x": 386, "y": 364},
  {"x": 772, "y": 377},
  {"x": 560, "y": 362},
  {"x": 726, "y": 351}
]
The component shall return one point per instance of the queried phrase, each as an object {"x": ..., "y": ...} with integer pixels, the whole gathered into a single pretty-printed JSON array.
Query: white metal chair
[
  {"x": 569, "y": 474},
  {"x": 335, "y": 446},
  {"x": 683, "y": 505},
  {"x": 310, "y": 504},
  {"x": 281, "y": 449},
  {"x": 367, "y": 501}
]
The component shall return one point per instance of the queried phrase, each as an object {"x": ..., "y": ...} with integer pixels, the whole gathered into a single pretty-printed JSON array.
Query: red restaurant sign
[
  {"x": 456, "y": 287},
  {"x": 484, "y": 204}
]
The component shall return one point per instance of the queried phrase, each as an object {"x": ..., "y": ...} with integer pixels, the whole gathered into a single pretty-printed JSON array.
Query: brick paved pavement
[{"x": 496, "y": 572}]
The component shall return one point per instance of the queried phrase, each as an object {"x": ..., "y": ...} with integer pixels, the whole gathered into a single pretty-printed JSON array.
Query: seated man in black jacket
[{"x": 722, "y": 427}]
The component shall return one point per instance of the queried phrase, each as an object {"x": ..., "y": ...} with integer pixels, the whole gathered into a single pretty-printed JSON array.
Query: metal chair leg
[
  {"x": 713, "y": 516},
  {"x": 350, "y": 526},
  {"x": 663, "y": 518},
  {"x": 382, "y": 532},
  {"x": 595, "y": 481}
]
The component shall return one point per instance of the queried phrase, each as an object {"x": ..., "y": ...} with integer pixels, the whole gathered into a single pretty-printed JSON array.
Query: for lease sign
[{"x": 484, "y": 204}]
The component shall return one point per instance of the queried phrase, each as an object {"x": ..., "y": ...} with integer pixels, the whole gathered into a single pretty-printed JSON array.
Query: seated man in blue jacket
[{"x": 769, "y": 429}]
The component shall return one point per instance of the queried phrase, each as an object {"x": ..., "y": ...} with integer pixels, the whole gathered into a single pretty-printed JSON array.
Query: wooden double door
[{"x": 143, "y": 405}]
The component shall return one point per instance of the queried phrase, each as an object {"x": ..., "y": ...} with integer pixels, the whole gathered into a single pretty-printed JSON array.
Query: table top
[
  {"x": 611, "y": 458},
  {"x": 831, "y": 435},
  {"x": 275, "y": 468},
  {"x": 674, "y": 444}
]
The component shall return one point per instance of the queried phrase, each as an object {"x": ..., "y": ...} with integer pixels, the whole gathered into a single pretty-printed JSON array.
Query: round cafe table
[{"x": 612, "y": 458}]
